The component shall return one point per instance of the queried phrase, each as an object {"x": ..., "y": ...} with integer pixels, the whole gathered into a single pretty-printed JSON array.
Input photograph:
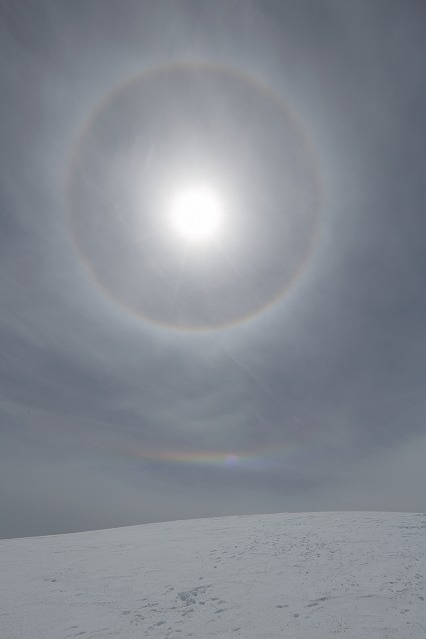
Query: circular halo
[{"x": 194, "y": 123}]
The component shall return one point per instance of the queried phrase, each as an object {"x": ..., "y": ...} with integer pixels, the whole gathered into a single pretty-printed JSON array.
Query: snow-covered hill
[{"x": 307, "y": 575}]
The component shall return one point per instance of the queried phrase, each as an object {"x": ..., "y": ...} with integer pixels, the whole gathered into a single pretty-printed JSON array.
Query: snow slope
[{"x": 354, "y": 574}]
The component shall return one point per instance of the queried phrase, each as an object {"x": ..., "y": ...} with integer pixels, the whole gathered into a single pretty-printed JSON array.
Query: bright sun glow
[{"x": 196, "y": 213}]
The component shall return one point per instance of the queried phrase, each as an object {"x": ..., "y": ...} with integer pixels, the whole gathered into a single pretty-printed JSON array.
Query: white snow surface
[{"x": 355, "y": 574}]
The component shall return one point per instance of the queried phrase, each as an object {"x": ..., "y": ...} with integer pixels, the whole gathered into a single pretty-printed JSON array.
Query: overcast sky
[{"x": 278, "y": 365}]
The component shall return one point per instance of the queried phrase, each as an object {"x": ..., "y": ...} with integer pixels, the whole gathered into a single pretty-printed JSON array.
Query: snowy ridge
[{"x": 359, "y": 575}]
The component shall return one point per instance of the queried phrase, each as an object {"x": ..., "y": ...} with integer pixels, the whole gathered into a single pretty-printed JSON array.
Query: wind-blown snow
[{"x": 358, "y": 575}]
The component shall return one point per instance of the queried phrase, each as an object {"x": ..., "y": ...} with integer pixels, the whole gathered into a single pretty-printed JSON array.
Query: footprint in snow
[{"x": 317, "y": 602}]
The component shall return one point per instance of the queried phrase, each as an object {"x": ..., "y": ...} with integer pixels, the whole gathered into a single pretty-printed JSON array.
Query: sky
[{"x": 276, "y": 362}]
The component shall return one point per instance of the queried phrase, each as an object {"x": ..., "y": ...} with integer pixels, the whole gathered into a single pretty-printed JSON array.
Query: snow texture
[{"x": 358, "y": 575}]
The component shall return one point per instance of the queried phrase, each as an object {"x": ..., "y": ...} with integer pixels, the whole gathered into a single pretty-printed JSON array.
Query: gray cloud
[{"x": 107, "y": 419}]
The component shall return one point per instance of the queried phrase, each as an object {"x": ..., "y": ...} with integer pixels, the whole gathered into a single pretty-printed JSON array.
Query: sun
[{"x": 196, "y": 213}]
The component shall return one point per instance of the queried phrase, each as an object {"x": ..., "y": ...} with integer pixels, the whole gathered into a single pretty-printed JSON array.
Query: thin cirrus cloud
[{"x": 116, "y": 408}]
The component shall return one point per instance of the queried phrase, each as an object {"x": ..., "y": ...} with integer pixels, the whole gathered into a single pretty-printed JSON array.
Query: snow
[{"x": 356, "y": 574}]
